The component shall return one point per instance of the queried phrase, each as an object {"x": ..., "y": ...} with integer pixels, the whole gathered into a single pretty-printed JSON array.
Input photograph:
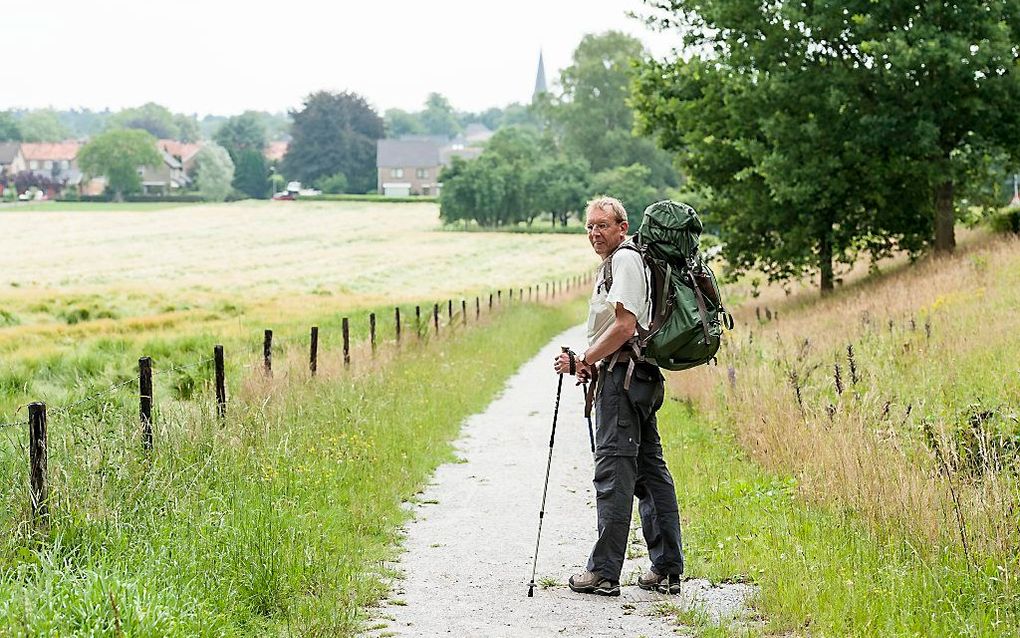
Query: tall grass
[
  {"x": 280, "y": 521},
  {"x": 892, "y": 407}
]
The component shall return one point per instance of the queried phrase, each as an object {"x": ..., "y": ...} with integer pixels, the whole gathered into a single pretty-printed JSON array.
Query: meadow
[
  {"x": 281, "y": 518},
  {"x": 856, "y": 455}
]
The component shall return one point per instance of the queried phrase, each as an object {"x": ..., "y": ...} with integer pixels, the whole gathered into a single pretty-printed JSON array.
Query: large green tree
[
  {"x": 400, "y": 123},
  {"x": 439, "y": 118},
  {"x": 334, "y": 133},
  {"x": 42, "y": 125},
  {"x": 118, "y": 154},
  {"x": 775, "y": 120},
  {"x": 241, "y": 132},
  {"x": 154, "y": 118},
  {"x": 9, "y": 129},
  {"x": 593, "y": 113},
  {"x": 251, "y": 174},
  {"x": 214, "y": 172}
]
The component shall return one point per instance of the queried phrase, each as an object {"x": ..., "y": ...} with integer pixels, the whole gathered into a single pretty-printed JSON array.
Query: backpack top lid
[{"x": 670, "y": 231}]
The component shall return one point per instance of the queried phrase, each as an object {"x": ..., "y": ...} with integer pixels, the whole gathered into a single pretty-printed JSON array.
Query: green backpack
[{"x": 687, "y": 311}]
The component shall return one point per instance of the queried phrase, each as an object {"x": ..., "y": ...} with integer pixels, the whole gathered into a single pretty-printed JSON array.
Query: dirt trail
[{"x": 469, "y": 549}]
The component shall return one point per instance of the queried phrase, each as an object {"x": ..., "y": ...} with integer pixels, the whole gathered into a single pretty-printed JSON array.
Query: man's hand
[{"x": 562, "y": 366}]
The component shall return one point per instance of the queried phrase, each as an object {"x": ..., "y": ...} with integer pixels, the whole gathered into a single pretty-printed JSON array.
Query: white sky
[{"x": 222, "y": 57}]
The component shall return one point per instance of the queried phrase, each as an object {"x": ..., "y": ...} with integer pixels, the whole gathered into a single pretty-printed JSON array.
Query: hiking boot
[
  {"x": 591, "y": 583},
  {"x": 652, "y": 581}
]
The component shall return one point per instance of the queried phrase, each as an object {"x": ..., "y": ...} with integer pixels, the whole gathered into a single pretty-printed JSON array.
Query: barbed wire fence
[{"x": 423, "y": 329}]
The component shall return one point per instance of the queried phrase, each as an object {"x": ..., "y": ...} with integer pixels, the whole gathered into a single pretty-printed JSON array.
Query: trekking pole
[
  {"x": 587, "y": 415},
  {"x": 545, "y": 489}
]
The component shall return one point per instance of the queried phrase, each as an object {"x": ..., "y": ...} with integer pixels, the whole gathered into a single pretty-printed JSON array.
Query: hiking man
[{"x": 628, "y": 455}]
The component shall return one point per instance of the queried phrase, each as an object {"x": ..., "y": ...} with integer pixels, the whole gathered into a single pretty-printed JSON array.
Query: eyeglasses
[{"x": 601, "y": 226}]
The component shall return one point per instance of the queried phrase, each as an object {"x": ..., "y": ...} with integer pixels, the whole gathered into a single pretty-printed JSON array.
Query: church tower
[{"x": 540, "y": 87}]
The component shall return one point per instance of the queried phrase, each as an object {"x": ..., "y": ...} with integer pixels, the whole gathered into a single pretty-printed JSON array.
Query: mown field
[
  {"x": 857, "y": 456},
  {"x": 278, "y": 520}
]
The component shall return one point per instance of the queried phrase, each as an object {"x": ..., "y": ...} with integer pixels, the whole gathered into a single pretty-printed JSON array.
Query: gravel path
[{"x": 470, "y": 547}]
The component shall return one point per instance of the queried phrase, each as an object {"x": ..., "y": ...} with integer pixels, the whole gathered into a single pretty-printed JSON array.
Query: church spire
[{"x": 540, "y": 87}]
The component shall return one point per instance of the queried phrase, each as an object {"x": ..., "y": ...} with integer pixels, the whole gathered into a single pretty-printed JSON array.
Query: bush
[
  {"x": 333, "y": 185},
  {"x": 368, "y": 197},
  {"x": 1005, "y": 220},
  {"x": 189, "y": 198}
]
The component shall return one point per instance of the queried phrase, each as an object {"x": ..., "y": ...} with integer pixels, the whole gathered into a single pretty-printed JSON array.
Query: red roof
[
  {"x": 275, "y": 151},
  {"x": 50, "y": 151},
  {"x": 183, "y": 150}
]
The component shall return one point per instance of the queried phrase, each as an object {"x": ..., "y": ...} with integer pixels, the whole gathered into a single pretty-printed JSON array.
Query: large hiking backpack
[{"x": 687, "y": 311}]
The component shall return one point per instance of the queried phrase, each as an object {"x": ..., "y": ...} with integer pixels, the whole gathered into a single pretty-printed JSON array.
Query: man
[{"x": 628, "y": 454}]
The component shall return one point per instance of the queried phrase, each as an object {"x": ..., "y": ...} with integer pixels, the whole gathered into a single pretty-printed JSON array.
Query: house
[
  {"x": 275, "y": 151},
  {"x": 411, "y": 165},
  {"x": 12, "y": 161},
  {"x": 164, "y": 177},
  {"x": 57, "y": 162},
  {"x": 184, "y": 152}
]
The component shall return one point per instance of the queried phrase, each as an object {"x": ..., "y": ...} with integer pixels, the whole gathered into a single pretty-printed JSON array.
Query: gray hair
[{"x": 610, "y": 204}]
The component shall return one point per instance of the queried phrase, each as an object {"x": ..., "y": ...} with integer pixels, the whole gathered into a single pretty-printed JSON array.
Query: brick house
[
  {"x": 411, "y": 166},
  {"x": 184, "y": 152}
]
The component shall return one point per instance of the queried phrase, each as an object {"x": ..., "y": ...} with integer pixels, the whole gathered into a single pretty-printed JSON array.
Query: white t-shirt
[{"x": 631, "y": 287}]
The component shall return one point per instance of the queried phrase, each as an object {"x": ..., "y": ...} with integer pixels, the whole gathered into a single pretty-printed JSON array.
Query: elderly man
[{"x": 628, "y": 455}]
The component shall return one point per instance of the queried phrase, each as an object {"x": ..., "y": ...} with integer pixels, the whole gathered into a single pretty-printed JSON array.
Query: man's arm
[{"x": 611, "y": 341}]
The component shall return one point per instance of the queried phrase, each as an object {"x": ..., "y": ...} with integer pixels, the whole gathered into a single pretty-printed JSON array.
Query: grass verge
[{"x": 279, "y": 521}]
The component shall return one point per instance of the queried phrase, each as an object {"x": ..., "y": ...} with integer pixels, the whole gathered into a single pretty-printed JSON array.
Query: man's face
[{"x": 604, "y": 232}]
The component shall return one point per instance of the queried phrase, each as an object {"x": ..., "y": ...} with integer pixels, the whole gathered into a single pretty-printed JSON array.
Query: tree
[
  {"x": 949, "y": 71},
  {"x": 630, "y": 185},
  {"x": 151, "y": 117},
  {"x": 334, "y": 184},
  {"x": 593, "y": 113},
  {"x": 251, "y": 175},
  {"x": 214, "y": 172},
  {"x": 399, "y": 123},
  {"x": 9, "y": 129},
  {"x": 118, "y": 154},
  {"x": 558, "y": 186},
  {"x": 438, "y": 118},
  {"x": 188, "y": 129},
  {"x": 334, "y": 133},
  {"x": 42, "y": 126},
  {"x": 240, "y": 133},
  {"x": 780, "y": 127}
]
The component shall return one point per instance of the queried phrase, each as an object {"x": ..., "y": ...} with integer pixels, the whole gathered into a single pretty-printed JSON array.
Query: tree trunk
[
  {"x": 825, "y": 263},
  {"x": 945, "y": 238}
]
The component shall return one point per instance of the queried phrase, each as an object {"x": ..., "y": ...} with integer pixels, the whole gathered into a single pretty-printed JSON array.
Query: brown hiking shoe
[
  {"x": 652, "y": 581},
  {"x": 591, "y": 583}
]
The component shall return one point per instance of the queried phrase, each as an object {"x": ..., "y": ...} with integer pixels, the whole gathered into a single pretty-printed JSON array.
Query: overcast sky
[{"x": 215, "y": 56}]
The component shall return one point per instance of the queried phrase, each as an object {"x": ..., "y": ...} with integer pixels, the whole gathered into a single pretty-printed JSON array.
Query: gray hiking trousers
[{"x": 629, "y": 463}]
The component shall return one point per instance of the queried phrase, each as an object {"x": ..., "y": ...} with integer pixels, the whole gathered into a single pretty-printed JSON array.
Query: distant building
[
  {"x": 184, "y": 152},
  {"x": 165, "y": 177},
  {"x": 56, "y": 161},
  {"x": 275, "y": 151},
  {"x": 12, "y": 161},
  {"x": 540, "y": 86},
  {"x": 411, "y": 166}
]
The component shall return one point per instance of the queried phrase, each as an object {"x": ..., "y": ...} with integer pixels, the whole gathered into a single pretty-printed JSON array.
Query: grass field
[
  {"x": 81, "y": 284},
  {"x": 872, "y": 492},
  {"x": 279, "y": 519}
]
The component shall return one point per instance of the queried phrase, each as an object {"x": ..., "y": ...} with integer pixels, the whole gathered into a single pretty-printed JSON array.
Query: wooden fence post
[
  {"x": 463, "y": 311},
  {"x": 511, "y": 295},
  {"x": 145, "y": 400},
  {"x": 499, "y": 297},
  {"x": 449, "y": 310},
  {"x": 490, "y": 302},
  {"x": 267, "y": 353},
  {"x": 38, "y": 490},
  {"x": 520, "y": 294},
  {"x": 221, "y": 383},
  {"x": 313, "y": 355},
  {"x": 478, "y": 307},
  {"x": 371, "y": 331},
  {"x": 347, "y": 341},
  {"x": 435, "y": 316},
  {"x": 417, "y": 321},
  {"x": 396, "y": 322}
]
